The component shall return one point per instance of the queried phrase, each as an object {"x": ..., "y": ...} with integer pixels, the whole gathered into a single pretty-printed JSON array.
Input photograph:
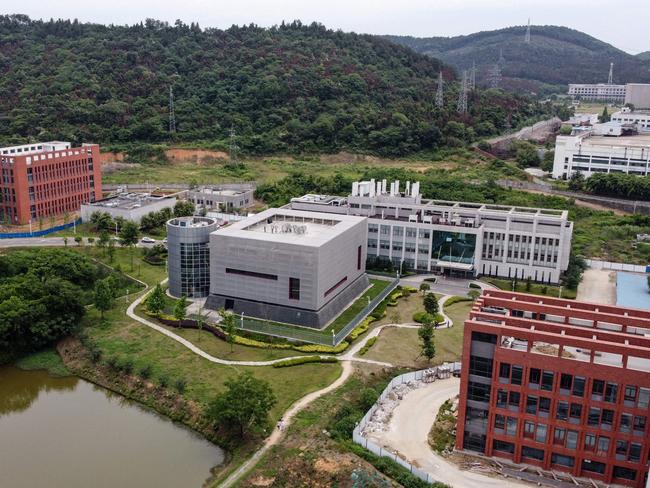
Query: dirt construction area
[
  {"x": 599, "y": 286},
  {"x": 400, "y": 430}
]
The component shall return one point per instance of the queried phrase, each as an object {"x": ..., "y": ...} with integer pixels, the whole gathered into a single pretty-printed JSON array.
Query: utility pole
[
  {"x": 472, "y": 76},
  {"x": 527, "y": 38},
  {"x": 440, "y": 100},
  {"x": 461, "y": 107},
  {"x": 234, "y": 148},
  {"x": 172, "y": 117}
]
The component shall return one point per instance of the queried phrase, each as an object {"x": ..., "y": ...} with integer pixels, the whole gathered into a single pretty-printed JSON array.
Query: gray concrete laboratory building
[
  {"x": 188, "y": 241},
  {"x": 289, "y": 266}
]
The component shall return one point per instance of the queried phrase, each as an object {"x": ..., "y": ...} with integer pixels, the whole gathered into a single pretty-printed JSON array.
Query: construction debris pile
[{"x": 384, "y": 408}]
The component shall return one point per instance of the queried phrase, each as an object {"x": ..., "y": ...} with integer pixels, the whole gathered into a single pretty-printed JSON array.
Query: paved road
[
  {"x": 598, "y": 286},
  {"x": 409, "y": 428},
  {"x": 52, "y": 242}
]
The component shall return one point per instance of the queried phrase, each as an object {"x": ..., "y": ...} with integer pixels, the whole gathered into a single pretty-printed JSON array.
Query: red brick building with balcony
[
  {"x": 558, "y": 384},
  {"x": 47, "y": 179}
]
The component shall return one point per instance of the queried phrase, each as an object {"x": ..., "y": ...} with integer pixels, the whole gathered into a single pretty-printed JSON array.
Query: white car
[
  {"x": 148, "y": 240},
  {"x": 164, "y": 240}
]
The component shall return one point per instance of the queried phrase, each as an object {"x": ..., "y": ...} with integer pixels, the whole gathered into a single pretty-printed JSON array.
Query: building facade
[
  {"x": 638, "y": 95},
  {"x": 588, "y": 154},
  {"x": 288, "y": 266},
  {"x": 188, "y": 257},
  {"x": 457, "y": 238},
  {"x": 43, "y": 180},
  {"x": 639, "y": 118},
  {"x": 558, "y": 384},
  {"x": 130, "y": 206},
  {"x": 601, "y": 92}
]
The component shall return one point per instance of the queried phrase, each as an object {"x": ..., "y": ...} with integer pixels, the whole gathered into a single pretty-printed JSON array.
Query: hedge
[
  {"x": 360, "y": 329},
  {"x": 367, "y": 345},
  {"x": 323, "y": 349},
  {"x": 422, "y": 317},
  {"x": 244, "y": 341},
  {"x": 456, "y": 299},
  {"x": 307, "y": 359}
]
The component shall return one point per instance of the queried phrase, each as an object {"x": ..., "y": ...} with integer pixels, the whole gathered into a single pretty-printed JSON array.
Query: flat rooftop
[
  {"x": 128, "y": 201},
  {"x": 640, "y": 140},
  {"x": 192, "y": 222},
  {"x": 292, "y": 226},
  {"x": 35, "y": 148},
  {"x": 229, "y": 190}
]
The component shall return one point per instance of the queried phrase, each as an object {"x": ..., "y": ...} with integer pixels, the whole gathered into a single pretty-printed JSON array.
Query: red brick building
[
  {"x": 559, "y": 384},
  {"x": 46, "y": 179}
]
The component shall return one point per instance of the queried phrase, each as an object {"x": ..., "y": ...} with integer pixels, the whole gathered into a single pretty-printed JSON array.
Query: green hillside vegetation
[
  {"x": 289, "y": 88},
  {"x": 555, "y": 57},
  {"x": 645, "y": 56}
]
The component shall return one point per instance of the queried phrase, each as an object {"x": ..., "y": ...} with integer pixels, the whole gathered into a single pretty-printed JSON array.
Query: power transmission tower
[
  {"x": 527, "y": 38},
  {"x": 472, "y": 76},
  {"x": 440, "y": 100},
  {"x": 461, "y": 107},
  {"x": 172, "y": 117},
  {"x": 494, "y": 76},
  {"x": 234, "y": 148},
  {"x": 610, "y": 78},
  {"x": 502, "y": 60}
]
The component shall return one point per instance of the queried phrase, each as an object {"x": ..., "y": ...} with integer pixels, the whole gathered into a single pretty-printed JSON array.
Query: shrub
[
  {"x": 409, "y": 290},
  {"x": 456, "y": 299},
  {"x": 263, "y": 345},
  {"x": 180, "y": 384},
  {"x": 112, "y": 362},
  {"x": 323, "y": 349},
  {"x": 307, "y": 359},
  {"x": 127, "y": 366},
  {"x": 145, "y": 372},
  {"x": 163, "y": 381},
  {"x": 368, "y": 397},
  {"x": 360, "y": 329},
  {"x": 424, "y": 317},
  {"x": 474, "y": 285},
  {"x": 369, "y": 343}
]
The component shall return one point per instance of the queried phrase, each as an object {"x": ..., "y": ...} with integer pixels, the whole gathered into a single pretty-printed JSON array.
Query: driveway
[
  {"x": 408, "y": 431},
  {"x": 598, "y": 286}
]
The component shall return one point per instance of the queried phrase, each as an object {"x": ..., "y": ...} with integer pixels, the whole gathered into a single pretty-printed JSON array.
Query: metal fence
[
  {"x": 379, "y": 450},
  {"x": 312, "y": 336},
  {"x": 39, "y": 233}
]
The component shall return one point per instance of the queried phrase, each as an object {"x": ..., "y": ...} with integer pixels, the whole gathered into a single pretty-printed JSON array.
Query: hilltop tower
[
  {"x": 461, "y": 107},
  {"x": 472, "y": 76},
  {"x": 172, "y": 116},
  {"x": 610, "y": 78},
  {"x": 527, "y": 37}
]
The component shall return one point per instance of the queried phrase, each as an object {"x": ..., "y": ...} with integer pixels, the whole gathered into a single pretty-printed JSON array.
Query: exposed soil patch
[
  {"x": 109, "y": 157},
  {"x": 197, "y": 156}
]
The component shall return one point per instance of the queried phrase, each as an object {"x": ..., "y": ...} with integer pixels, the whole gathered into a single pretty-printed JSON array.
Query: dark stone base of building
[{"x": 316, "y": 319}]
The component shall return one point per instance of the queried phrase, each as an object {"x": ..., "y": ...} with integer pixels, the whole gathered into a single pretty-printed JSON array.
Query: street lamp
[{"x": 242, "y": 320}]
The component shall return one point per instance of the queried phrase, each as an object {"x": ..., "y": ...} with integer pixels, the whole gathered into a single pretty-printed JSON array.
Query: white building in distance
[
  {"x": 589, "y": 153},
  {"x": 454, "y": 238},
  {"x": 600, "y": 92}
]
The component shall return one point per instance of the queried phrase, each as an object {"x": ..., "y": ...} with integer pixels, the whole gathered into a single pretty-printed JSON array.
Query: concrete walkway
[
  {"x": 408, "y": 432},
  {"x": 598, "y": 286}
]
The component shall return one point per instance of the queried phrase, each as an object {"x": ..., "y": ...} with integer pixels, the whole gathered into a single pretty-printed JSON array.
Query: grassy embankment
[
  {"x": 121, "y": 339},
  {"x": 535, "y": 288}
]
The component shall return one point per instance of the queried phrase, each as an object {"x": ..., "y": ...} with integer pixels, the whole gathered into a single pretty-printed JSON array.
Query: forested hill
[
  {"x": 555, "y": 56},
  {"x": 284, "y": 89}
]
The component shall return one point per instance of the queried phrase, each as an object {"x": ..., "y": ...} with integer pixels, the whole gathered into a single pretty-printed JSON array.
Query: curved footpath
[{"x": 408, "y": 435}]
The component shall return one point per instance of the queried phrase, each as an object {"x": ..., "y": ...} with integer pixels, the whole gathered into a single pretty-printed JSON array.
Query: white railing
[
  {"x": 378, "y": 450},
  {"x": 632, "y": 268}
]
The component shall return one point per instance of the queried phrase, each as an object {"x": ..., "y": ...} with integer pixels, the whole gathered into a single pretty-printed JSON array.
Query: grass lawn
[
  {"x": 349, "y": 313},
  {"x": 47, "y": 359},
  {"x": 402, "y": 346},
  {"x": 535, "y": 288},
  {"x": 124, "y": 338}
]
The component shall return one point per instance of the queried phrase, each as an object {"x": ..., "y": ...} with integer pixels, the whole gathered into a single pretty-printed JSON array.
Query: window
[
  {"x": 540, "y": 434},
  {"x": 624, "y": 473},
  {"x": 559, "y": 435},
  {"x": 547, "y": 381},
  {"x": 294, "y": 289},
  {"x": 502, "y": 398},
  {"x": 626, "y": 423},
  {"x": 575, "y": 412},
  {"x": 529, "y": 429},
  {"x": 607, "y": 418},
  {"x": 590, "y": 442},
  {"x": 597, "y": 389},
  {"x": 594, "y": 416},
  {"x": 511, "y": 426},
  {"x": 593, "y": 466},
  {"x": 330, "y": 290},
  {"x": 635, "y": 453},
  {"x": 517, "y": 374},
  {"x": 644, "y": 397},
  {"x": 480, "y": 366},
  {"x": 534, "y": 377},
  {"x": 514, "y": 398},
  {"x": 359, "y": 253},
  {"x": 630, "y": 394},
  {"x": 503, "y": 446},
  {"x": 544, "y": 406},
  {"x": 252, "y": 274},
  {"x": 531, "y": 404},
  {"x": 532, "y": 453},
  {"x": 499, "y": 422},
  {"x": 560, "y": 460},
  {"x": 562, "y": 411},
  {"x": 639, "y": 424},
  {"x": 621, "y": 449},
  {"x": 478, "y": 392},
  {"x": 566, "y": 380},
  {"x": 603, "y": 445},
  {"x": 579, "y": 386},
  {"x": 571, "y": 439},
  {"x": 611, "y": 390},
  {"x": 504, "y": 372}
]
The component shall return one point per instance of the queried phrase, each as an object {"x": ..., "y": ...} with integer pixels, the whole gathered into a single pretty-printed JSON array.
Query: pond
[{"x": 66, "y": 432}]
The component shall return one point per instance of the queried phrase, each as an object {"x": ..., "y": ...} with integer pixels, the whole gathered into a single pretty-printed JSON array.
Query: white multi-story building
[
  {"x": 589, "y": 153},
  {"x": 598, "y": 92},
  {"x": 639, "y": 118},
  {"x": 456, "y": 238}
]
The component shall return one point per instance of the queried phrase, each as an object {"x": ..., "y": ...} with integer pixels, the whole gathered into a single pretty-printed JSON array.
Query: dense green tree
[
  {"x": 228, "y": 325},
  {"x": 129, "y": 237},
  {"x": 180, "y": 308},
  {"x": 427, "y": 345},
  {"x": 155, "y": 302},
  {"x": 183, "y": 208},
  {"x": 244, "y": 405},
  {"x": 104, "y": 295},
  {"x": 526, "y": 154},
  {"x": 431, "y": 304}
]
